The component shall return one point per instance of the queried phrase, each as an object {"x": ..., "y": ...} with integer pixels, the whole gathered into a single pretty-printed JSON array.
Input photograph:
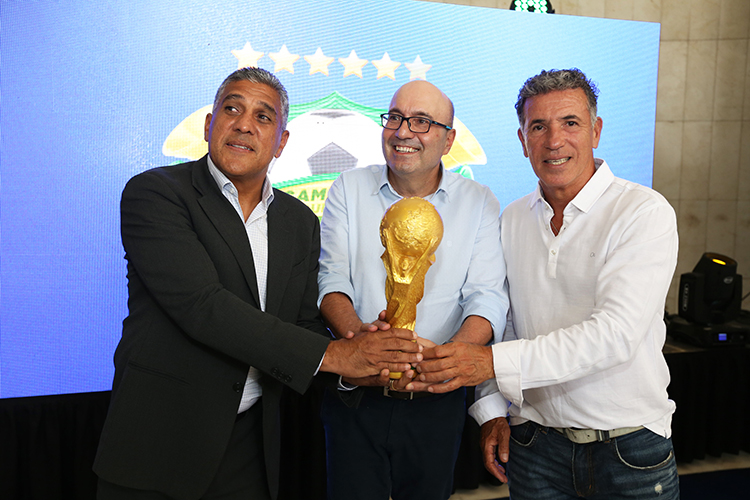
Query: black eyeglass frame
[{"x": 384, "y": 120}]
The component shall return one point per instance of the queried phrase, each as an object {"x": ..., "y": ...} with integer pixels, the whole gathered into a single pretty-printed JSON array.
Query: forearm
[
  {"x": 474, "y": 330},
  {"x": 339, "y": 314}
]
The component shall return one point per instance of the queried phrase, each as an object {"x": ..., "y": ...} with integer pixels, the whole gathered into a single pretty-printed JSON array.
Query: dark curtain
[
  {"x": 712, "y": 390},
  {"x": 48, "y": 443}
]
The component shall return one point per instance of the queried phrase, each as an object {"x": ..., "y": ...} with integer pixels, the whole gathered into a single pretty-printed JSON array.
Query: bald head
[{"x": 422, "y": 95}]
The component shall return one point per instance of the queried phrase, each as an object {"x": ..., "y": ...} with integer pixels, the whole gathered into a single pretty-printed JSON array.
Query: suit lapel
[
  {"x": 280, "y": 255},
  {"x": 226, "y": 221}
]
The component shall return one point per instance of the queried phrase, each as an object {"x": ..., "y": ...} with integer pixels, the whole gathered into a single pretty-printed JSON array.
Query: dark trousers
[
  {"x": 405, "y": 449},
  {"x": 241, "y": 474}
]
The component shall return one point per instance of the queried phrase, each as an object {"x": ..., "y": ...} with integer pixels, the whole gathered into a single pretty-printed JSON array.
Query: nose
[
  {"x": 555, "y": 138},
  {"x": 244, "y": 123},
  {"x": 404, "y": 130}
]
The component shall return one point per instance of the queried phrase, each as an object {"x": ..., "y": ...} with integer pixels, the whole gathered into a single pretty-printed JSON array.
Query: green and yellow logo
[{"x": 327, "y": 136}]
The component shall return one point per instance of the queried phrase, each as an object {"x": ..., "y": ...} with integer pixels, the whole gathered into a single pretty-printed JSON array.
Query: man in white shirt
[{"x": 580, "y": 369}]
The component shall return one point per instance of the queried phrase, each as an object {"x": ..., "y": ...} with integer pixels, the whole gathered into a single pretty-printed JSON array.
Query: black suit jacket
[{"x": 194, "y": 327}]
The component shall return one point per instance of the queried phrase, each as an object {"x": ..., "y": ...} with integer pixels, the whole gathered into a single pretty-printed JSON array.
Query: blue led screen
[{"x": 94, "y": 92}]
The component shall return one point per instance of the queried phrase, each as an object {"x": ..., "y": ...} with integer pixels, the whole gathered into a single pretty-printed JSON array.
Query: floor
[{"x": 725, "y": 461}]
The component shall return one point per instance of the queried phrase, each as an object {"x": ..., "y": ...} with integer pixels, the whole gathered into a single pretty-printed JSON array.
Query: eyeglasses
[{"x": 417, "y": 124}]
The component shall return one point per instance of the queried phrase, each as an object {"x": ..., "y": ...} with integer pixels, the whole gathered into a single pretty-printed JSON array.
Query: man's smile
[{"x": 405, "y": 149}]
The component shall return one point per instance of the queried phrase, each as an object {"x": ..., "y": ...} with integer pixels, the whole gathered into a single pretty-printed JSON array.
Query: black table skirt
[
  {"x": 712, "y": 390},
  {"x": 47, "y": 443}
]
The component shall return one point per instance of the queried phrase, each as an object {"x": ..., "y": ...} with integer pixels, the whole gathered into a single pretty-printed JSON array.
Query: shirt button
[{"x": 553, "y": 252}]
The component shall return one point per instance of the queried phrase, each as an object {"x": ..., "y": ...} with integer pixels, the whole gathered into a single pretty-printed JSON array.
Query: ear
[
  {"x": 449, "y": 138},
  {"x": 207, "y": 126},
  {"x": 282, "y": 143},
  {"x": 597, "y": 132},
  {"x": 523, "y": 142}
]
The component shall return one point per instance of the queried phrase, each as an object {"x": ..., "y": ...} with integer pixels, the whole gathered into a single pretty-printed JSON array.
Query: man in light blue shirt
[{"x": 406, "y": 443}]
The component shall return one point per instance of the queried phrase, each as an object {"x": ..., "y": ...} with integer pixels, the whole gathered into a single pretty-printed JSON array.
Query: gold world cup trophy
[{"x": 410, "y": 231}]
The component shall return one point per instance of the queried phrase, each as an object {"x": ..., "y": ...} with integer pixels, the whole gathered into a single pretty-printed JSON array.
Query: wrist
[{"x": 489, "y": 362}]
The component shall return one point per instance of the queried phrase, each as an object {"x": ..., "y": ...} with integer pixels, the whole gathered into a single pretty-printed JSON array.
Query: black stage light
[
  {"x": 709, "y": 302},
  {"x": 541, "y": 6},
  {"x": 712, "y": 293}
]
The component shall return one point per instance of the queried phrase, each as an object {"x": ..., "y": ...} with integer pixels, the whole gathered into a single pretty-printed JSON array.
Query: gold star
[
  {"x": 352, "y": 65},
  {"x": 417, "y": 69},
  {"x": 386, "y": 67},
  {"x": 247, "y": 57},
  {"x": 319, "y": 62},
  {"x": 284, "y": 60}
]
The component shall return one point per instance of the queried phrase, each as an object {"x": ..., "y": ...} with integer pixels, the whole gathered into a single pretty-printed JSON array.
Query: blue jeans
[{"x": 545, "y": 465}]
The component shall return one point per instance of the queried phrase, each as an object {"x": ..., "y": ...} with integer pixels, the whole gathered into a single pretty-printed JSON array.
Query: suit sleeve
[{"x": 172, "y": 250}]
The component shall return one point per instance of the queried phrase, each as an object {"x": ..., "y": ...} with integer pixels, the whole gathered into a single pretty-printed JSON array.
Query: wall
[{"x": 702, "y": 152}]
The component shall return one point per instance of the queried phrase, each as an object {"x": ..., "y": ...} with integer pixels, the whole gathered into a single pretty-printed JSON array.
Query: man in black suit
[{"x": 222, "y": 282}]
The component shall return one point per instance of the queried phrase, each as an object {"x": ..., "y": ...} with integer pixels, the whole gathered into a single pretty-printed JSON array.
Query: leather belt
[
  {"x": 584, "y": 436},
  {"x": 404, "y": 396}
]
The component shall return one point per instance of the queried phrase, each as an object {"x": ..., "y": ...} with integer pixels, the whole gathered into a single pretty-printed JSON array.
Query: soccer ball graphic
[{"x": 326, "y": 141}]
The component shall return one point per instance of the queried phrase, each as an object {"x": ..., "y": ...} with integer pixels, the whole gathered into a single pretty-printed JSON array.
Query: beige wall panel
[
  {"x": 489, "y": 3},
  {"x": 704, "y": 19},
  {"x": 721, "y": 227},
  {"x": 691, "y": 223},
  {"x": 701, "y": 77},
  {"x": 647, "y": 10},
  {"x": 734, "y": 19},
  {"x": 675, "y": 20},
  {"x": 696, "y": 160},
  {"x": 619, "y": 9},
  {"x": 725, "y": 160},
  {"x": 670, "y": 103},
  {"x": 730, "y": 79},
  {"x": 667, "y": 164},
  {"x": 743, "y": 186},
  {"x": 591, "y": 8},
  {"x": 742, "y": 242}
]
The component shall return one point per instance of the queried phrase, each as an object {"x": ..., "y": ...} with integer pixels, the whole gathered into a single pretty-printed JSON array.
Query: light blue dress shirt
[{"x": 468, "y": 277}]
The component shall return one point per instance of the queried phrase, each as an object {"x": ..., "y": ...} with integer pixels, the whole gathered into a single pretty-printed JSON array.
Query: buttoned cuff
[
  {"x": 506, "y": 360},
  {"x": 489, "y": 407}
]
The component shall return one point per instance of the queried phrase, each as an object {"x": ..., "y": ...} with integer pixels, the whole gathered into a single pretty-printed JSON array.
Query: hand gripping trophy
[{"x": 410, "y": 231}]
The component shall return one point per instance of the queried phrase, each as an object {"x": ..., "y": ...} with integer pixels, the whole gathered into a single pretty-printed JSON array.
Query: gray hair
[
  {"x": 258, "y": 75},
  {"x": 554, "y": 80}
]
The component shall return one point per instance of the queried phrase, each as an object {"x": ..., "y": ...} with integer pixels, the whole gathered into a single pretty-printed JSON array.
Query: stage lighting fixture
[
  {"x": 541, "y": 6},
  {"x": 709, "y": 303},
  {"x": 712, "y": 293}
]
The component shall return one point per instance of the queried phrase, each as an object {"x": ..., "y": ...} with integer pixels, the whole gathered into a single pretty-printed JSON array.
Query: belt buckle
[{"x": 585, "y": 436}]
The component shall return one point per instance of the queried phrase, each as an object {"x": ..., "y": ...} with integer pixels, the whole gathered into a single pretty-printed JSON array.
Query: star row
[{"x": 319, "y": 62}]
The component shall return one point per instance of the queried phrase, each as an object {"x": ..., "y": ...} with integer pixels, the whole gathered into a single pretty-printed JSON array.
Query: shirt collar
[
  {"x": 595, "y": 187},
  {"x": 442, "y": 185},
  {"x": 226, "y": 186},
  {"x": 590, "y": 192}
]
